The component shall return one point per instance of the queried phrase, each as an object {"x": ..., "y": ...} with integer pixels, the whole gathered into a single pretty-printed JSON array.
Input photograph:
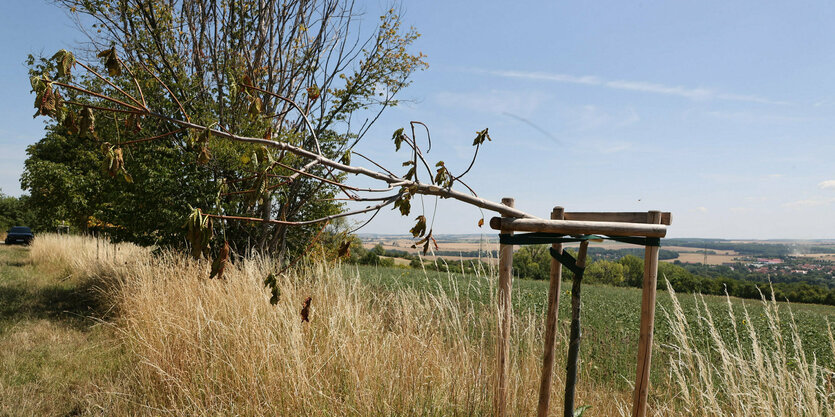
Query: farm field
[
  {"x": 611, "y": 318},
  {"x": 390, "y": 341},
  {"x": 686, "y": 254}
]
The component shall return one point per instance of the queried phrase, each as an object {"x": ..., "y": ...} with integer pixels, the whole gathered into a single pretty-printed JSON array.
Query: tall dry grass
[
  {"x": 212, "y": 347},
  {"x": 743, "y": 371}
]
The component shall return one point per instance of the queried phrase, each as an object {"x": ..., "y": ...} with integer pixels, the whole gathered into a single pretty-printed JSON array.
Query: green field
[{"x": 611, "y": 318}]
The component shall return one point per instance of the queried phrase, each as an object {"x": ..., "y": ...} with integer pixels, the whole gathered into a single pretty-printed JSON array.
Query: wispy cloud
[
  {"x": 638, "y": 86},
  {"x": 827, "y": 185},
  {"x": 522, "y": 103},
  {"x": 701, "y": 209},
  {"x": 810, "y": 202}
]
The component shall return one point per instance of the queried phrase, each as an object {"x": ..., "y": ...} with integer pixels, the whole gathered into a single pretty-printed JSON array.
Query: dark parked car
[{"x": 19, "y": 234}]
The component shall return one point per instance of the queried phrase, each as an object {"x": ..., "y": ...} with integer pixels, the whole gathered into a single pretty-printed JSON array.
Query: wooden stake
[
  {"x": 505, "y": 309},
  {"x": 550, "y": 326},
  {"x": 576, "y": 334},
  {"x": 639, "y": 397}
]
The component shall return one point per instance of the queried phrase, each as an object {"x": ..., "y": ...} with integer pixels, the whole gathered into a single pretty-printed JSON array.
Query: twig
[
  {"x": 110, "y": 109},
  {"x": 101, "y": 96},
  {"x": 306, "y": 222},
  {"x": 131, "y": 142},
  {"x": 188, "y": 119},
  {"x": 110, "y": 83}
]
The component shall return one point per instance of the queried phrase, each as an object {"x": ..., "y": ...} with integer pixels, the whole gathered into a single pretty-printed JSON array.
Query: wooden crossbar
[
  {"x": 576, "y": 227},
  {"x": 620, "y": 217}
]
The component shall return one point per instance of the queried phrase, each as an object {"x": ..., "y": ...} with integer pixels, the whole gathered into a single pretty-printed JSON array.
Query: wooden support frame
[
  {"x": 505, "y": 314},
  {"x": 626, "y": 224},
  {"x": 550, "y": 326}
]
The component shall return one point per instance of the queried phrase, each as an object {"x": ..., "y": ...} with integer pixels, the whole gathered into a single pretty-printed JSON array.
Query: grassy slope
[
  {"x": 611, "y": 318},
  {"x": 55, "y": 360},
  {"x": 52, "y": 353}
]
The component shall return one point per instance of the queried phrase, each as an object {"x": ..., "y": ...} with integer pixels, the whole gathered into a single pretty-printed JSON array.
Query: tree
[
  {"x": 275, "y": 164},
  {"x": 13, "y": 212},
  {"x": 605, "y": 272},
  {"x": 294, "y": 71},
  {"x": 633, "y": 270}
]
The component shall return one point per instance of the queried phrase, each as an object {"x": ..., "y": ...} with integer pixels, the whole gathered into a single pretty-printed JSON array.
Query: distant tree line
[
  {"x": 534, "y": 262},
  {"x": 751, "y": 248}
]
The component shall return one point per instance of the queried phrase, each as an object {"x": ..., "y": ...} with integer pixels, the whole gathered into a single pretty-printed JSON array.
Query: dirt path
[{"x": 55, "y": 357}]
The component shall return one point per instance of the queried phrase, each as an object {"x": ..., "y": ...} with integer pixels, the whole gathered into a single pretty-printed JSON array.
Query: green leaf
[{"x": 346, "y": 158}]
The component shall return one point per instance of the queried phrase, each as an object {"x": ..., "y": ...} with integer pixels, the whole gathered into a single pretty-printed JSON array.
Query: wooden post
[
  {"x": 639, "y": 397},
  {"x": 575, "y": 334},
  {"x": 505, "y": 310},
  {"x": 550, "y": 326}
]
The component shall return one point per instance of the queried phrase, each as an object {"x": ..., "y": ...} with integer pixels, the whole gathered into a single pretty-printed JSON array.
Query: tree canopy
[{"x": 295, "y": 72}]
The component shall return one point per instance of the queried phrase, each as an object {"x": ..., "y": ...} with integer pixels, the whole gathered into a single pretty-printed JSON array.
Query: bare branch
[
  {"x": 131, "y": 142},
  {"x": 174, "y": 97},
  {"x": 111, "y": 84},
  {"x": 101, "y": 96},
  {"x": 307, "y": 222}
]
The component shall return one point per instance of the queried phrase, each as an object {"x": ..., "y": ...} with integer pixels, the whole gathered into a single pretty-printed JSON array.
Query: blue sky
[{"x": 718, "y": 112}]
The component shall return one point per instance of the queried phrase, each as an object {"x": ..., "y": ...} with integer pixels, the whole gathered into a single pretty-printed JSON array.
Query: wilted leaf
[
  {"x": 219, "y": 264},
  {"x": 344, "y": 249},
  {"x": 204, "y": 156},
  {"x": 64, "y": 60},
  {"x": 271, "y": 283},
  {"x": 255, "y": 108},
  {"x": 480, "y": 137},
  {"x": 111, "y": 62},
  {"x": 313, "y": 92},
  {"x": 442, "y": 177},
  {"x": 420, "y": 227},
  {"x": 398, "y": 138},
  {"x": 87, "y": 122},
  {"x": 481, "y": 222},
  {"x": 71, "y": 123},
  {"x": 404, "y": 204},
  {"x": 47, "y": 102},
  {"x": 425, "y": 242},
  {"x": 306, "y": 310},
  {"x": 198, "y": 232}
]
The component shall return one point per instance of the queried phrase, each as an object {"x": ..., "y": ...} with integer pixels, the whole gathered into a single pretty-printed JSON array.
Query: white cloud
[
  {"x": 638, "y": 86},
  {"x": 827, "y": 185},
  {"x": 701, "y": 209}
]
